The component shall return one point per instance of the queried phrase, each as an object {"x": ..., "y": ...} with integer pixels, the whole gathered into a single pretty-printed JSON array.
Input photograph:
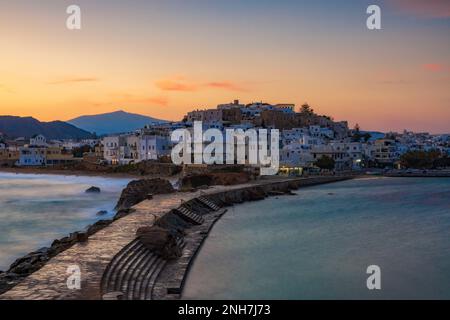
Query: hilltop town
[{"x": 308, "y": 142}]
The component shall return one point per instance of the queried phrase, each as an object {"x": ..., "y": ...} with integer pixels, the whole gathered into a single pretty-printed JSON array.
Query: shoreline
[
  {"x": 60, "y": 172},
  {"x": 82, "y": 173}
]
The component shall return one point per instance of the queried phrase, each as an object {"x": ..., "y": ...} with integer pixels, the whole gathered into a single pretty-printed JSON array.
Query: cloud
[
  {"x": 74, "y": 80},
  {"x": 226, "y": 85},
  {"x": 423, "y": 8},
  {"x": 435, "y": 67},
  {"x": 175, "y": 84},
  {"x": 180, "y": 83}
]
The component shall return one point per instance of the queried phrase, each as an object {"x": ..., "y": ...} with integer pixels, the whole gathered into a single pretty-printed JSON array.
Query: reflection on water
[
  {"x": 35, "y": 209},
  {"x": 318, "y": 244}
]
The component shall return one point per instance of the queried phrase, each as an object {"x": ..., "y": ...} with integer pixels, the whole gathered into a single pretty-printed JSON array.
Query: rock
[
  {"x": 123, "y": 212},
  {"x": 102, "y": 213},
  {"x": 8, "y": 280},
  {"x": 215, "y": 178},
  {"x": 190, "y": 182},
  {"x": 98, "y": 226},
  {"x": 138, "y": 190},
  {"x": 26, "y": 268},
  {"x": 161, "y": 241},
  {"x": 93, "y": 190},
  {"x": 82, "y": 236},
  {"x": 173, "y": 222}
]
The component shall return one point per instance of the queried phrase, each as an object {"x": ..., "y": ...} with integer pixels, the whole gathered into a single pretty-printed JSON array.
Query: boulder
[
  {"x": 93, "y": 190},
  {"x": 161, "y": 241},
  {"x": 102, "y": 213},
  {"x": 123, "y": 212},
  {"x": 138, "y": 190},
  {"x": 173, "y": 222},
  {"x": 100, "y": 224},
  {"x": 8, "y": 280}
]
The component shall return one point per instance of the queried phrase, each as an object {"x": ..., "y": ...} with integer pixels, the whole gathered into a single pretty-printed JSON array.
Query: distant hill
[
  {"x": 114, "y": 122},
  {"x": 14, "y": 127}
]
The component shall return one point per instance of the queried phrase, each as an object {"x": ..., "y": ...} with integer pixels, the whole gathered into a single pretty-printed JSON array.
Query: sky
[{"x": 163, "y": 58}]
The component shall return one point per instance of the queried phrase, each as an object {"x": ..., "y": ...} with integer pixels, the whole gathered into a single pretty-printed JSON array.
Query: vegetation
[
  {"x": 424, "y": 159},
  {"x": 325, "y": 162},
  {"x": 306, "y": 109},
  {"x": 79, "y": 151},
  {"x": 358, "y": 136}
]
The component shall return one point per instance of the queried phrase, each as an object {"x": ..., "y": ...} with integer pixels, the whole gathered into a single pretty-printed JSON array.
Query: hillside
[
  {"x": 14, "y": 127},
  {"x": 114, "y": 122}
]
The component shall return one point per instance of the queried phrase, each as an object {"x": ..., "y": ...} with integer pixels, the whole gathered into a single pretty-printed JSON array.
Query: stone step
[
  {"x": 127, "y": 273},
  {"x": 110, "y": 269},
  {"x": 122, "y": 268},
  {"x": 189, "y": 215},
  {"x": 144, "y": 282},
  {"x": 209, "y": 203},
  {"x": 151, "y": 279},
  {"x": 138, "y": 275}
]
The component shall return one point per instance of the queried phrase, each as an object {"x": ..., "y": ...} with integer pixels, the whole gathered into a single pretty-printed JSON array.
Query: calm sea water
[
  {"x": 318, "y": 244},
  {"x": 36, "y": 209}
]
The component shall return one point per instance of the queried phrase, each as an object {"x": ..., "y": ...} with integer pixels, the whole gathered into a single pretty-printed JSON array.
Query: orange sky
[{"x": 163, "y": 59}]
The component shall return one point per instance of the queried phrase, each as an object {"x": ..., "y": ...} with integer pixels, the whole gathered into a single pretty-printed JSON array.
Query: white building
[
  {"x": 129, "y": 149},
  {"x": 38, "y": 141},
  {"x": 295, "y": 155},
  {"x": 111, "y": 148},
  {"x": 152, "y": 147},
  {"x": 32, "y": 156}
]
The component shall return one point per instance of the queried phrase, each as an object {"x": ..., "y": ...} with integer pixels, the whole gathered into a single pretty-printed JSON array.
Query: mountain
[
  {"x": 114, "y": 122},
  {"x": 26, "y": 127}
]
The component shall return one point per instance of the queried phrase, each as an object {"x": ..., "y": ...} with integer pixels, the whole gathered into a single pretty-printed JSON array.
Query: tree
[
  {"x": 420, "y": 159},
  {"x": 306, "y": 109},
  {"x": 79, "y": 151},
  {"x": 325, "y": 162}
]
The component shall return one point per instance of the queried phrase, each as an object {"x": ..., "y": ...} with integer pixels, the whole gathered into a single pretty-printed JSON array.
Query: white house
[
  {"x": 152, "y": 147},
  {"x": 32, "y": 156},
  {"x": 38, "y": 141},
  {"x": 111, "y": 148},
  {"x": 295, "y": 155}
]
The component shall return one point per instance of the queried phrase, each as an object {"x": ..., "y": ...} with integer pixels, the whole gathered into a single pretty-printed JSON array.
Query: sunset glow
[{"x": 164, "y": 58}]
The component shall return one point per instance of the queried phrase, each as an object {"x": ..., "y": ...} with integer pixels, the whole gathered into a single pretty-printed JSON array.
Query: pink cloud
[
  {"x": 435, "y": 67},
  {"x": 226, "y": 85},
  {"x": 423, "y": 8},
  {"x": 176, "y": 84},
  {"x": 180, "y": 83}
]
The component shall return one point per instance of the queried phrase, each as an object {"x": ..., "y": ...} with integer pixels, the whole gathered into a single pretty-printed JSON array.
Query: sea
[
  {"x": 325, "y": 241},
  {"x": 35, "y": 209}
]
